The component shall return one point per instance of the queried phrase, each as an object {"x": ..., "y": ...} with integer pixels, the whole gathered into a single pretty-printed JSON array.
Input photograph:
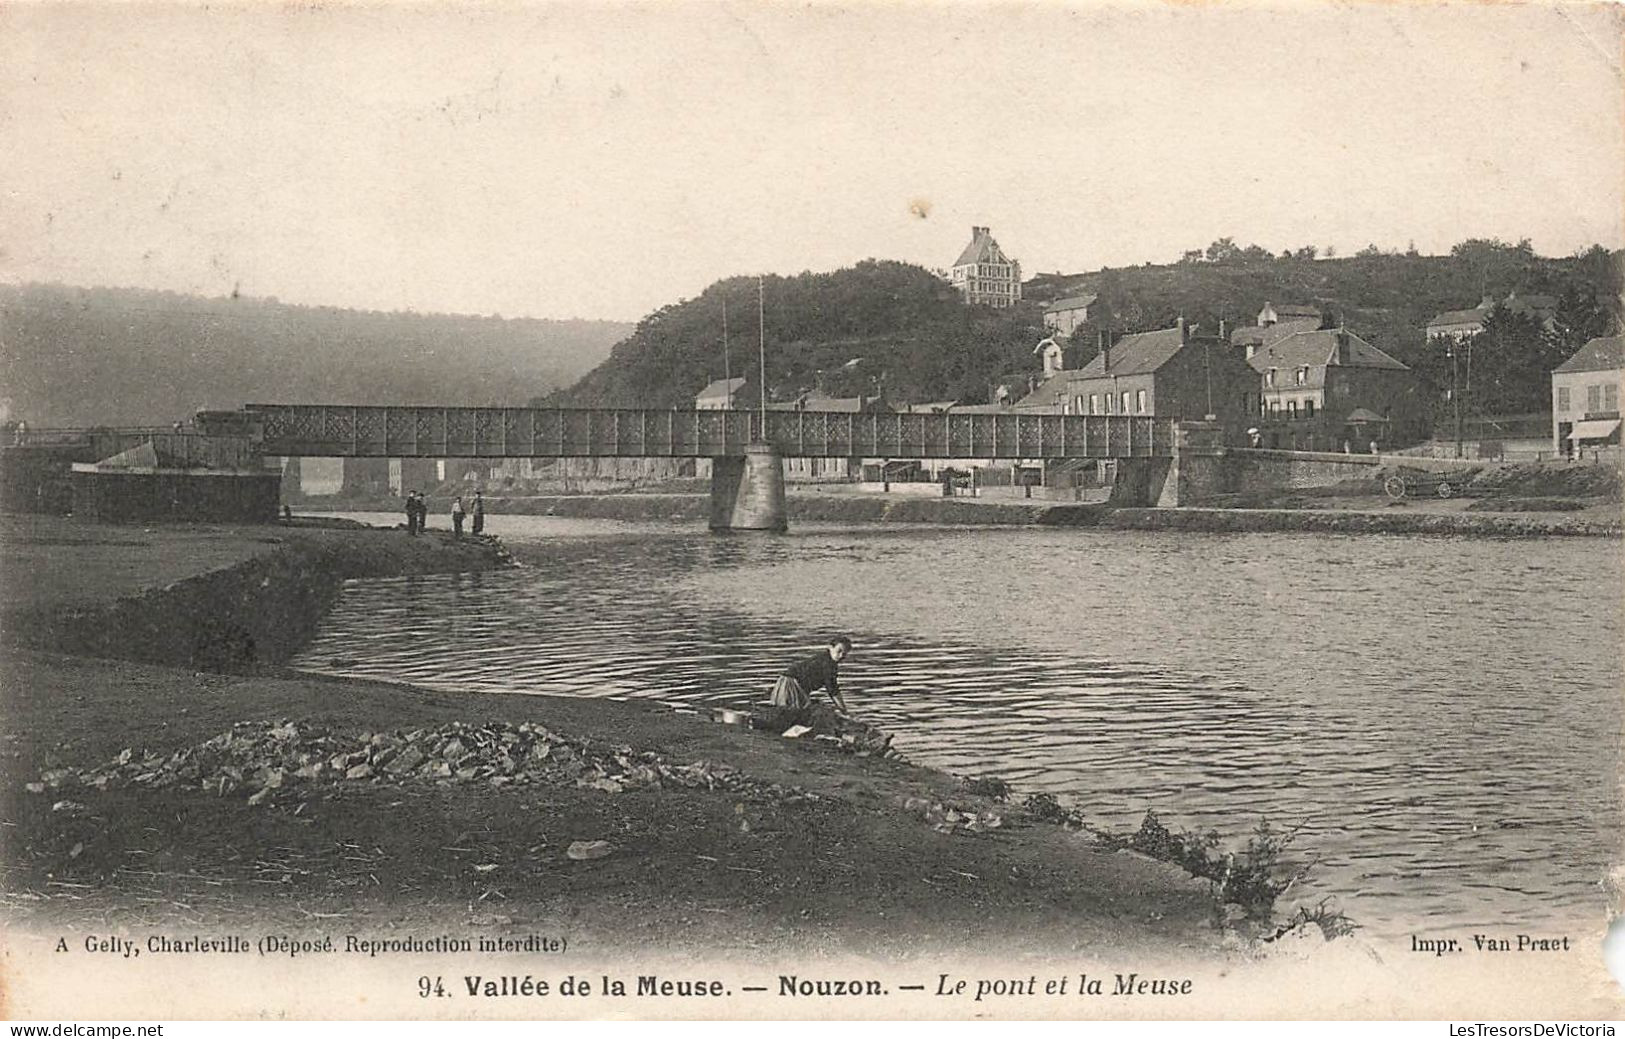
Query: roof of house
[
  {"x": 980, "y": 409},
  {"x": 1256, "y": 335},
  {"x": 979, "y": 250},
  {"x": 1136, "y": 354},
  {"x": 1601, "y": 354},
  {"x": 930, "y": 407},
  {"x": 1294, "y": 310},
  {"x": 1537, "y": 305},
  {"x": 1071, "y": 303},
  {"x": 1459, "y": 317},
  {"x": 1320, "y": 348},
  {"x": 1051, "y": 393},
  {"x": 721, "y": 387}
]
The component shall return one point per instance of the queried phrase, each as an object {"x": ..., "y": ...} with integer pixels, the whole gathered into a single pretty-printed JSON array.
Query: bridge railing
[{"x": 396, "y": 432}]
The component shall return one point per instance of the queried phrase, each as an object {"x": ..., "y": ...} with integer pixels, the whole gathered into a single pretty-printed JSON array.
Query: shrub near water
[{"x": 1252, "y": 878}]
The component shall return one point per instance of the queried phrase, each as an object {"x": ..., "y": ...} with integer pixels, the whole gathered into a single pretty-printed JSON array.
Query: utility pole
[
  {"x": 727, "y": 372},
  {"x": 761, "y": 346}
]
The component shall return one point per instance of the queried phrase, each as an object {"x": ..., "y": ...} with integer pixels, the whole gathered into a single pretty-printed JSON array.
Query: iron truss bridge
[{"x": 334, "y": 430}]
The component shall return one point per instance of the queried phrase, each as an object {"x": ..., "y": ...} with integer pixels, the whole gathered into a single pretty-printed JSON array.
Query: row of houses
[{"x": 1284, "y": 382}]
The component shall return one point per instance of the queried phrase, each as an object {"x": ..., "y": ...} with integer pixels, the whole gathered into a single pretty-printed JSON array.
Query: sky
[{"x": 601, "y": 160}]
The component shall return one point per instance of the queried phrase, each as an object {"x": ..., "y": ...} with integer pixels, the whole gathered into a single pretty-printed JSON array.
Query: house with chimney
[
  {"x": 1276, "y": 322},
  {"x": 1320, "y": 388},
  {"x": 984, "y": 274},
  {"x": 1174, "y": 373}
]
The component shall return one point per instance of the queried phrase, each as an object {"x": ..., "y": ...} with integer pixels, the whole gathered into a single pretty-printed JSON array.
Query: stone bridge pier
[
  {"x": 747, "y": 493},
  {"x": 1196, "y": 470}
]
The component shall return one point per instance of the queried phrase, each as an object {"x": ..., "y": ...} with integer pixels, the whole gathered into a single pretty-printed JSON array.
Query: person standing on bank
[
  {"x": 457, "y": 516},
  {"x": 412, "y": 513},
  {"x": 794, "y": 688},
  {"x": 479, "y": 513}
]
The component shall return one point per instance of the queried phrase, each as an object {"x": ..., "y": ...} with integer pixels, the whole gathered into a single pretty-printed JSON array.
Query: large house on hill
[
  {"x": 1319, "y": 389},
  {"x": 984, "y": 274}
]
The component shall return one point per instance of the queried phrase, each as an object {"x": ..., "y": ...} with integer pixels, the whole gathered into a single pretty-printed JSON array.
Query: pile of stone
[{"x": 269, "y": 763}]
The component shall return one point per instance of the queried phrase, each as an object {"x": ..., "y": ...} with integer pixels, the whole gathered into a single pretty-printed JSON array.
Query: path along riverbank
[
  {"x": 1355, "y": 515},
  {"x": 146, "y": 708}
]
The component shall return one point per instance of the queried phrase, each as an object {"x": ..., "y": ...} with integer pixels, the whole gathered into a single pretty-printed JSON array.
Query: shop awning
[{"x": 1595, "y": 429}]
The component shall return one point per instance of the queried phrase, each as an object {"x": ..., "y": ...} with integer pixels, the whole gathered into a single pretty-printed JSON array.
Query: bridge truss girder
[{"x": 370, "y": 431}]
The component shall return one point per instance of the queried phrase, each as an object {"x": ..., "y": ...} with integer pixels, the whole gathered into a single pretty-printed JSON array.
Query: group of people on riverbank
[{"x": 417, "y": 514}]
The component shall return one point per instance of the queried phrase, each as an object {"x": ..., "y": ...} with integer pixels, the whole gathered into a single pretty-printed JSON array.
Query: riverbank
[
  {"x": 782, "y": 845},
  {"x": 1355, "y": 515}
]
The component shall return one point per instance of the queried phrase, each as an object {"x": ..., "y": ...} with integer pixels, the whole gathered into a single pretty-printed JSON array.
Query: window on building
[
  {"x": 1299, "y": 376},
  {"x": 1309, "y": 408},
  {"x": 1292, "y": 409},
  {"x": 1269, "y": 377},
  {"x": 1109, "y": 400},
  {"x": 1077, "y": 405},
  {"x": 1594, "y": 397},
  {"x": 1124, "y": 403},
  {"x": 1610, "y": 397},
  {"x": 1275, "y": 407},
  {"x": 1562, "y": 398},
  {"x": 1139, "y": 401},
  {"x": 1094, "y": 403}
]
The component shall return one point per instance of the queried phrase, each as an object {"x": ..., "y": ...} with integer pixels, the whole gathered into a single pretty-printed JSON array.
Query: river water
[{"x": 1440, "y": 717}]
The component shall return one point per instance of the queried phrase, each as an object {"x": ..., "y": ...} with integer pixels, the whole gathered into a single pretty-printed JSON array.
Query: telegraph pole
[
  {"x": 727, "y": 372},
  {"x": 761, "y": 346},
  {"x": 1455, "y": 392}
]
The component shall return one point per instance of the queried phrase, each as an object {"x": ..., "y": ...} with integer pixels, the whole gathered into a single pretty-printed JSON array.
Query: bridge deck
[{"x": 410, "y": 432}]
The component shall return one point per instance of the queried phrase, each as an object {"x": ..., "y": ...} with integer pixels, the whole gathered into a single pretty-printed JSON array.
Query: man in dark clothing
[
  {"x": 818, "y": 671},
  {"x": 479, "y": 513},
  {"x": 412, "y": 512}
]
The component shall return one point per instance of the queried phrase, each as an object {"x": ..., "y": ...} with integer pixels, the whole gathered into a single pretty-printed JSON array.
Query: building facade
[
  {"x": 1320, "y": 389},
  {"x": 1169, "y": 373},
  {"x": 1585, "y": 395},
  {"x": 984, "y": 274},
  {"x": 1065, "y": 315}
]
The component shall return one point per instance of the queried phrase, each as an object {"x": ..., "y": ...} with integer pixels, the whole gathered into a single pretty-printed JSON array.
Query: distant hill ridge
[{"x": 73, "y": 356}]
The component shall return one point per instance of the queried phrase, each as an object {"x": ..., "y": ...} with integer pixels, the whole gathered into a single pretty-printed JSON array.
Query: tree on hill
[{"x": 908, "y": 331}]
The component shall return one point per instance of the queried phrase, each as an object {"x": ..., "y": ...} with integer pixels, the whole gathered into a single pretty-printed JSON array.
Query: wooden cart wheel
[
  {"x": 1395, "y": 486},
  {"x": 1445, "y": 490}
]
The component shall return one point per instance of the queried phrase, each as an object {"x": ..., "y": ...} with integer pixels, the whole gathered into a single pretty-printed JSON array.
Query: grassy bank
[
  {"x": 213, "y": 598},
  {"x": 137, "y": 792}
]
